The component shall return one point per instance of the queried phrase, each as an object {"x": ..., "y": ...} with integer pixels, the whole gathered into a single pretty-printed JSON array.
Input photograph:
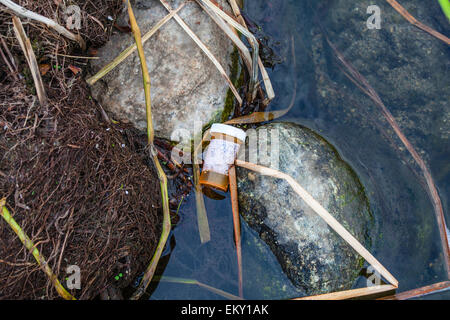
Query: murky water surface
[{"x": 406, "y": 236}]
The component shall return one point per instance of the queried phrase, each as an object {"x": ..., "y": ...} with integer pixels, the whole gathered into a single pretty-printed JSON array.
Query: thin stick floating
[
  {"x": 324, "y": 214},
  {"x": 348, "y": 294},
  {"x": 237, "y": 224}
]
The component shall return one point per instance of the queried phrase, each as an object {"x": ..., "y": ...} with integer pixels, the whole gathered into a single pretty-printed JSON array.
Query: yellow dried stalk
[{"x": 4, "y": 212}]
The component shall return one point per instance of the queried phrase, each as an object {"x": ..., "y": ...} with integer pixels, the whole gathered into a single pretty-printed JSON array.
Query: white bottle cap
[{"x": 228, "y": 130}]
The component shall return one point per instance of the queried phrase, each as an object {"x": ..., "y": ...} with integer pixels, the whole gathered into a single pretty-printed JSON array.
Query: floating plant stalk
[
  {"x": 360, "y": 81},
  {"x": 419, "y": 24},
  {"x": 200, "y": 284},
  {"x": 353, "y": 293},
  {"x": 445, "y": 5},
  {"x": 4, "y": 212},
  {"x": 148, "y": 275},
  {"x": 236, "y": 224},
  {"x": 265, "y": 75},
  {"x": 420, "y": 292},
  {"x": 202, "y": 218},
  {"x": 324, "y": 214}
]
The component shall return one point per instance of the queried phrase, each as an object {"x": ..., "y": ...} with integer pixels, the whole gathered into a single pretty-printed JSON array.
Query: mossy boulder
[{"x": 314, "y": 257}]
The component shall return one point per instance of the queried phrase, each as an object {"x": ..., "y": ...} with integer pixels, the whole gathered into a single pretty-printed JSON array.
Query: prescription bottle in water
[{"x": 220, "y": 155}]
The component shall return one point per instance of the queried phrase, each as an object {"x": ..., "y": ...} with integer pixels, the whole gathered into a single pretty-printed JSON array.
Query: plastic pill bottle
[{"x": 220, "y": 155}]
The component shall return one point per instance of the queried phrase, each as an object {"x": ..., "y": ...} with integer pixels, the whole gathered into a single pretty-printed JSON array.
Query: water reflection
[{"x": 406, "y": 237}]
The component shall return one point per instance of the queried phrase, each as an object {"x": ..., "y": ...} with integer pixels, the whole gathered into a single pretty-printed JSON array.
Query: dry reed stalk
[
  {"x": 324, "y": 214},
  {"x": 420, "y": 292},
  {"x": 256, "y": 117},
  {"x": 236, "y": 224},
  {"x": 25, "y": 44},
  {"x": 8, "y": 64},
  {"x": 361, "y": 82},
  {"x": 48, "y": 22},
  {"x": 251, "y": 118},
  {"x": 4, "y": 212},
  {"x": 245, "y": 53},
  {"x": 76, "y": 57},
  {"x": 354, "y": 293},
  {"x": 204, "y": 49},
  {"x": 267, "y": 83},
  {"x": 252, "y": 40},
  {"x": 417, "y": 23},
  {"x": 132, "y": 48},
  {"x": 11, "y": 58},
  {"x": 150, "y": 271},
  {"x": 200, "y": 284},
  {"x": 202, "y": 218}
]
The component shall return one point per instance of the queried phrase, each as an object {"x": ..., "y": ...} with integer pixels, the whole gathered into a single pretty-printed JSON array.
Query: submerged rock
[
  {"x": 405, "y": 65},
  {"x": 313, "y": 256},
  {"x": 185, "y": 85}
]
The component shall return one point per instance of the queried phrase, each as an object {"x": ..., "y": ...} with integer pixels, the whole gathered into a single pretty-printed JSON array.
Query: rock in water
[
  {"x": 315, "y": 258},
  {"x": 185, "y": 85},
  {"x": 405, "y": 65}
]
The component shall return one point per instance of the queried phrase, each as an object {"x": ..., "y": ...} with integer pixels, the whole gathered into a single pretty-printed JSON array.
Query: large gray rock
[
  {"x": 314, "y": 257},
  {"x": 185, "y": 85}
]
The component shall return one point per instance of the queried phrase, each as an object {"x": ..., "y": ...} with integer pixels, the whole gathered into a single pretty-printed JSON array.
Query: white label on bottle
[{"x": 220, "y": 155}]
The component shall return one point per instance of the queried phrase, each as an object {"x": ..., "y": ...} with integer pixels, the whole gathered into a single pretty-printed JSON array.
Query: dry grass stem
[
  {"x": 360, "y": 81},
  {"x": 4, "y": 212},
  {"x": 150, "y": 271},
  {"x": 25, "y": 44},
  {"x": 245, "y": 53},
  {"x": 354, "y": 293},
  {"x": 417, "y": 23},
  {"x": 204, "y": 49},
  {"x": 252, "y": 40},
  {"x": 21, "y": 11},
  {"x": 324, "y": 214},
  {"x": 132, "y": 48},
  {"x": 236, "y": 224},
  {"x": 267, "y": 83}
]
